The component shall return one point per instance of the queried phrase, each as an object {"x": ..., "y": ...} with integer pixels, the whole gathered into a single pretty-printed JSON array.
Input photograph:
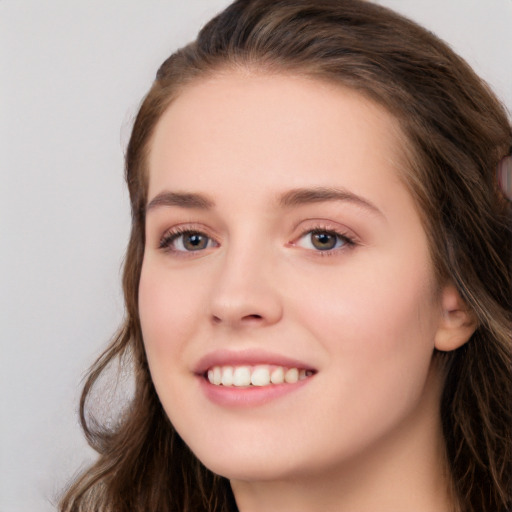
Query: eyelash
[
  {"x": 172, "y": 235},
  {"x": 348, "y": 242}
]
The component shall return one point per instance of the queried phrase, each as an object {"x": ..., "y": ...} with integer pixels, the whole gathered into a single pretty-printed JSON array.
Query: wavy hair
[{"x": 456, "y": 132}]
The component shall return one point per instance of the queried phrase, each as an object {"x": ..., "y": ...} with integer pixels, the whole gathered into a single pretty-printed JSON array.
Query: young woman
[{"x": 318, "y": 279}]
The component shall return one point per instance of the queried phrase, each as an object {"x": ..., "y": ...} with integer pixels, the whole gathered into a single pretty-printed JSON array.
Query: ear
[{"x": 457, "y": 323}]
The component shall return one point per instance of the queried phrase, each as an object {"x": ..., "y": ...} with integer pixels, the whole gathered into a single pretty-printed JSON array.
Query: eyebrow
[
  {"x": 295, "y": 197},
  {"x": 301, "y": 196},
  {"x": 180, "y": 199}
]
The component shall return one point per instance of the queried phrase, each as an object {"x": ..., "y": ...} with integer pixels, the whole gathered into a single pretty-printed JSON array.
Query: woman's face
[{"x": 282, "y": 249}]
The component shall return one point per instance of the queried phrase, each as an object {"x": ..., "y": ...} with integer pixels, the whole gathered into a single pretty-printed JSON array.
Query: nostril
[
  {"x": 252, "y": 317},
  {"x": 242, "y": 319}
]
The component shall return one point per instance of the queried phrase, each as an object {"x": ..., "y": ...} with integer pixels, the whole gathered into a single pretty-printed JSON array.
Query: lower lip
[{"x": 251, "y": 396}]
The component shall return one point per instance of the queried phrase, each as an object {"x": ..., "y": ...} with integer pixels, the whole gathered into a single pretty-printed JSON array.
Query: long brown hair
[{"x": 456, "y": 133}]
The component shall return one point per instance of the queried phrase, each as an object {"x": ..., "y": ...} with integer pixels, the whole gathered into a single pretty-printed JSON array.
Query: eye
[
  {"x": 323, "y": 240},
  {"x": 186, "y": 241}
]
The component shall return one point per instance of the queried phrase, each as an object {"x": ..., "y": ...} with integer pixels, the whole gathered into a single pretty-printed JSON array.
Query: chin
[
  {"x": 242, "y": 470},
  {"x": 249, "y": 463}
]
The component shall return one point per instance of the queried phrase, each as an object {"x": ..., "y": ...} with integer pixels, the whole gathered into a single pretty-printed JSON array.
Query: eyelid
[
  {"x": 173, "y": 233},
  {"x": 317, "y": 225},
  {"x": 338, "y": 239}
]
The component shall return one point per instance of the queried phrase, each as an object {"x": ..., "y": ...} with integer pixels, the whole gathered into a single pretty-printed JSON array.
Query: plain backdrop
[{"x": 72, "y": 75}]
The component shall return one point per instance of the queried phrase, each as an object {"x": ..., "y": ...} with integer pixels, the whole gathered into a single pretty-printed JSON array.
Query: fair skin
[{"x": 278, "y": 237}]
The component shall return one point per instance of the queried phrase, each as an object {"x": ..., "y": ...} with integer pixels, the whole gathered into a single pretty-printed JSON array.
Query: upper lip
[{"x": 246, "y": 357}]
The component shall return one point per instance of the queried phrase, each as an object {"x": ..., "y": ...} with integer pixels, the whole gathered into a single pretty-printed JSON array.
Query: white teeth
[
  {"x": 217, "y": 375},
  {"x": 277, "y": 376},
  {"x": 260, "y": 375},
  {"x": 291, "y": 376},
  {"x": 242, "y": 376},
  {"x": 227, "y": 376}
]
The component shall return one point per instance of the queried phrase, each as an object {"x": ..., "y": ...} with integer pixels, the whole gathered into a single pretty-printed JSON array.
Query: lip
[
  {"x": 247, "y": 357},
  {"x": 251, "y": 396}
]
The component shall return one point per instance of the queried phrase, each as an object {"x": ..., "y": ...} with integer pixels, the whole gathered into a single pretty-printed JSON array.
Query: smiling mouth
[{"x": 255, "y": 376}]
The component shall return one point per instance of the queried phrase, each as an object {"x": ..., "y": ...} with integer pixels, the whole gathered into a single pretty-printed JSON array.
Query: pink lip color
[
  {"x": 246, "y": 357},
  {"x": 251, "y": 396}
]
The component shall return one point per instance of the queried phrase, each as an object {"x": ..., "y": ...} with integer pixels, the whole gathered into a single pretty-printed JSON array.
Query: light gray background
[{"x": 71, "y": 77}]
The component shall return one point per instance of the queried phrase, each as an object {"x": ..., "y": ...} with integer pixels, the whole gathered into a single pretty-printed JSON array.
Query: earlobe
[{"x": 457, "y": 323}]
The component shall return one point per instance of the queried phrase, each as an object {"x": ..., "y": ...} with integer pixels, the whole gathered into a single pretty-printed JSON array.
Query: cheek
[
  {"x": 384, "y": 309},
  {"x": 379, "y": 332},
  {"x": 166, "y": 312}
]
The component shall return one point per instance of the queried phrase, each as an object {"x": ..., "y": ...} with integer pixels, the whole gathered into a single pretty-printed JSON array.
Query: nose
[{"x": 245, "y": 292}]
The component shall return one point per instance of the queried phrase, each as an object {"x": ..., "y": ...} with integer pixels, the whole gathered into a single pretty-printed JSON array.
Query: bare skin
[{"x": 279, "y": 234}]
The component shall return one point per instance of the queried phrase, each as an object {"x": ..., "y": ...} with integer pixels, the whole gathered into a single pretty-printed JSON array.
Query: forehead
[{"x": 281, "y": 130}]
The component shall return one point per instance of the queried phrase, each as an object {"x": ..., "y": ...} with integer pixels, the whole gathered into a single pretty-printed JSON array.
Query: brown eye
[
  {"x": 323, "y": 240},
  {"x": 195, "y": 241},
  {"x": 186, "y": 241}
]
